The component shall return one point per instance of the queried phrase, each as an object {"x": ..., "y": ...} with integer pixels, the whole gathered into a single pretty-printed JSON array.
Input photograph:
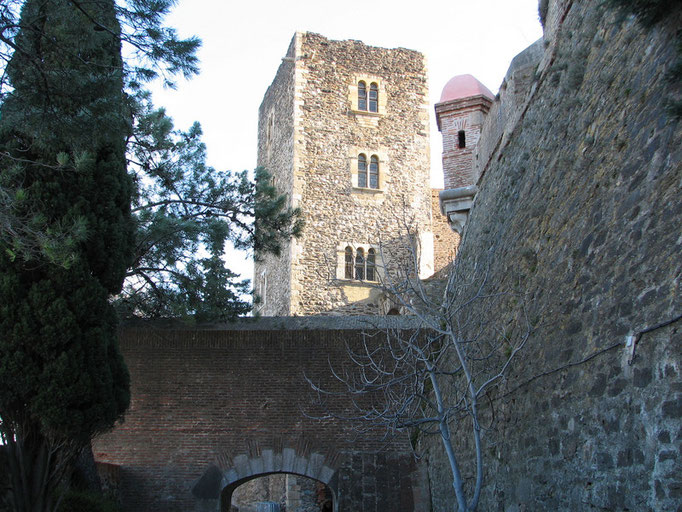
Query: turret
[{"x": 460, "y": 113}]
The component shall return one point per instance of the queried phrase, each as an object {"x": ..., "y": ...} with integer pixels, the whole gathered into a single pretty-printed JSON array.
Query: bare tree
[{"x": 433, "y": 377}]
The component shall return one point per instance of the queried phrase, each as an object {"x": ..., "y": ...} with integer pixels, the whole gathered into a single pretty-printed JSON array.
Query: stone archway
[{"x": 269, "y": 462}]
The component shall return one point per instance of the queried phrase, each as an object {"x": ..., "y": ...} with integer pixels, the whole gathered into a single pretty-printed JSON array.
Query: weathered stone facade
[
  {"x": 312, "y": 132},
  {"x": 445, "y": 240},
  {"x": 579, "y": 202}
]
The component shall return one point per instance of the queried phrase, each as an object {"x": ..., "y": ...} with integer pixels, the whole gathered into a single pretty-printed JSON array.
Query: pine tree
[
  {"x": 67, "y": 236},
  {"x": 186, "y": 213},
  {"x": 63, "y": 127}
]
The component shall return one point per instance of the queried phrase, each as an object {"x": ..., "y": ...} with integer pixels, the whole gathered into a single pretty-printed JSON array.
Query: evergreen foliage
[
  {"x": 74, "y": 121},
  {"x": 154, "y": 50},
  {"x": 186, "y": 212},
  {"x": 63, "y": 136}
]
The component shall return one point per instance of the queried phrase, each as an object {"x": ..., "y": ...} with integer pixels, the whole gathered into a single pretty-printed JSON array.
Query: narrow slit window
[
  {"x": 348, "y": 274},
  {"x": 374, "y": 172},
  {"x": 362, "y": 95},
  {"x": 461, "y": 139},
  {"x": 362, "y": 170},
  {"x": 360, "y": 265},
  {"x": 373, "y": 97},
  {"x": 371, "y": 265}
]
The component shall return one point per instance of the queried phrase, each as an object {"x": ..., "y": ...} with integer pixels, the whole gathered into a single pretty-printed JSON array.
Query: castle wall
[
  {"x": 213, "y": 406},
  {"x": 445, "y": 240},
  {"x": 582, "y": 208},
  {"x": 508, "y": 108},
  {"x": 329, "y": 133}
]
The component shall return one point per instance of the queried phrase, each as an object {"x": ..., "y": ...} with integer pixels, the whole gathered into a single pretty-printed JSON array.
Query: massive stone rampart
[{"x": 581, "y": 207}]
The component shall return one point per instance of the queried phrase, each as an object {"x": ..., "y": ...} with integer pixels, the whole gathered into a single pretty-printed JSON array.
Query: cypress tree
[{"x": 63, "y": 131}]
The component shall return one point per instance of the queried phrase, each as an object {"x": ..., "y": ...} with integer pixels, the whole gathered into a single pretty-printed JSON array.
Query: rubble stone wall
[
  {"x": 581, "y": 209},
  {"x": 328, "y": 134},
  {"x": 445, "y": 240}
]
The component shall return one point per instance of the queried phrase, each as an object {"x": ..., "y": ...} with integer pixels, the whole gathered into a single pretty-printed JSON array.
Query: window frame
[
  {"x": 363, "y": 175},
  {"x": 362, "y": 95},
  {"x": 367, "y": 98},
  {"x": 373, "y": 98},
  {"x": 358, "y": 263}
]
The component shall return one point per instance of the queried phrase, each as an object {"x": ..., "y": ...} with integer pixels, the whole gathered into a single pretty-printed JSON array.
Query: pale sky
[{"x": 244, "y": 42}]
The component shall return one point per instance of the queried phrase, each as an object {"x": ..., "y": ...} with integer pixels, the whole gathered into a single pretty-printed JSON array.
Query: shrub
[{"x": 87, "y": 501}]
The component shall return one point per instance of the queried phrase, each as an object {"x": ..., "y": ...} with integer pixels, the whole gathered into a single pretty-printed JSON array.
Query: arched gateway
[{"x": 216, "y": 406}]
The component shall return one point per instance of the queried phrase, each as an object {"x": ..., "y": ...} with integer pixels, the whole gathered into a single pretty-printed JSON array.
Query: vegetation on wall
[
  {"x": 650, "y": 13},
  {"x": 543, "y": 6}
]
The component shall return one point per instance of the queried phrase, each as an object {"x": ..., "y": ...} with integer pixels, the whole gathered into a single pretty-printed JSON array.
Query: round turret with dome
[
  {"x": 464, "y": 86},
  {"x": 460, "y": 113}
]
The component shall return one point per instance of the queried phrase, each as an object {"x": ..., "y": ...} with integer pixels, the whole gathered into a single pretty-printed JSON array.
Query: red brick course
[{"x": 210, "y": 397}]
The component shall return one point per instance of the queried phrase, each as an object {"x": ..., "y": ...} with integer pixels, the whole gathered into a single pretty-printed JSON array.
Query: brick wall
[
  {"x": 465, "y": 115},
  {"x": 207, "y": 398}
]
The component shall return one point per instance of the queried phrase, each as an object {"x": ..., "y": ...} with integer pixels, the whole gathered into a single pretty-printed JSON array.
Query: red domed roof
[{"x": 464, "y": 86}]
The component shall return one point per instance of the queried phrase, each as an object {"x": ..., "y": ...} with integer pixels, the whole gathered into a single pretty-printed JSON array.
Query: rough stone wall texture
[
  {"x": 328, "y": 136},
  {"x": 445, "y": 240},
  {"x": 267, "y": 488},
  {"x": 508, "y": 107},
  {"x": 276, "y": 126},
  {"x": 215, "y": 407},
  {"x": 582, "y": 208}
]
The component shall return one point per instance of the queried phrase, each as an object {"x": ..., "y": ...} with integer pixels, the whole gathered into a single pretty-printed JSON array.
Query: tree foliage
[
  {"x": 79, "y": 142},
  {"x": 153, "y": 50},
  {"x": 186, "y": 212},
  {"x": 63, "y": 131}
]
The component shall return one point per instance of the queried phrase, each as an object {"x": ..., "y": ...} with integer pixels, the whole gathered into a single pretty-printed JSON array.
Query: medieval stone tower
[{"x": 344, "y": 130}]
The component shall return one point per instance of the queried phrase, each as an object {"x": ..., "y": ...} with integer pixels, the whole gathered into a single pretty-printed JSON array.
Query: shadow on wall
[{"x": 276, "y": 492}]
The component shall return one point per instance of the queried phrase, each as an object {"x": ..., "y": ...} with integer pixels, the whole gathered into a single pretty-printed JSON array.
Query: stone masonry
[
  {"x": 580, "y": 174},
  {"x": 445, "y": 240},
  {"x": 312, "y": 132}
]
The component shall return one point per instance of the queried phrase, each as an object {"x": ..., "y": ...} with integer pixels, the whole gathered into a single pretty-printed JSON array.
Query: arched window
[
  {"x": 349, "y": 263},
  {"x": 373, "y": 97},
  {"x": 461, "y": 139},
  {"x": 362, "y": 95},
  {"x": 371, "y": 265},
  {"x": 360, "y": 265},
  {"x": 374, "y": 172},
  {"x": 362, "y": 170}
]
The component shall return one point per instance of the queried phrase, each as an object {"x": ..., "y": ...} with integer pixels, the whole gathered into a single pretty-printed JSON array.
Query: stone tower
[
  {"x": 460, "y": 113},
  {"x": 344, "y": 129}
]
